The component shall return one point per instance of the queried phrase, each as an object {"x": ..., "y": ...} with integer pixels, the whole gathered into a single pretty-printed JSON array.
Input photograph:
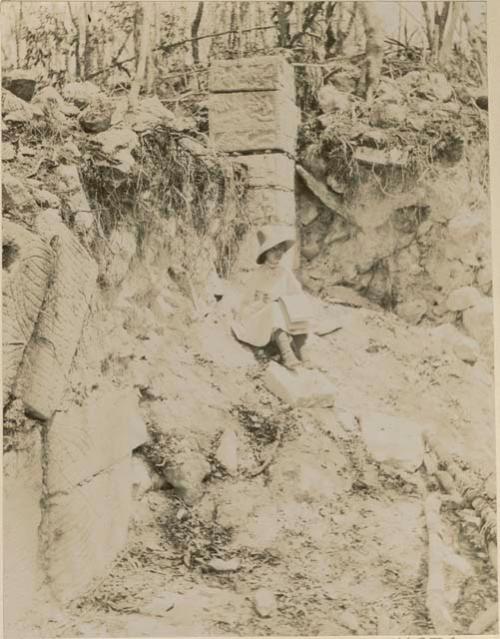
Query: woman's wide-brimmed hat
[{"x": 270, "y": 236}]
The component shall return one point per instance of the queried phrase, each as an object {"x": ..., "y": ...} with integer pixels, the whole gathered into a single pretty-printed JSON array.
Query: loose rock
[
  {"x": 20, "y": 82},
  {"x": 463, "y": 298},
  {"x": 393, "y": 441},
  {"x": 265, "y": 603},
  {"x": 227, "y": 452},
  {"x": 465, "y": 348},
  {"x": 8, "y": 152},
  {"x": 80, "y": 93},
  {"x": 331, "y": 99},
  {"x": 224, "y": 565},
  {"x": 412, "y": 311},
  {"x": 96, "y": 118}
]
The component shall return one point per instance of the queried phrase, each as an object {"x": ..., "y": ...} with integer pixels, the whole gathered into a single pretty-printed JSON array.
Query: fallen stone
[
  {"x": 84, "y": 220},
  {"x": 149, "y": 114},
  {"x": 412, "y": 311},
  {"x": 115, "y": 139},
  {"x": 49, "y": 98},
  {"x": 73, "y": 151},
  {"x": 260, "y": 73},
  {"x": 45, "y": 198},
  {"x": 11, "y": 104},
  {"x": 253, "y": 121},
  {"x": 27, "y": 266},
  {"x": 22, "y": 494},
  {"x": 16, "y": 197},
  {"x": 26, "y": 150},
  {"x": 81, "y": 93},
  {"x": 47, "y": 359},
  {"x": 478, "y": 323},
  {"x": 264, "y": 602},
  {"x": 301, "y": 387},
  {"x": 18, "y": 117},
  {"x": 185, "y": 472},
  {"x": 331, "y": 99},
  {"x": 83, "y": 441},
  {"x": 440, "y": 87},
  {"x": 96, "y": 117},
  {"x": 463, "y": 298},
  {"x": 86, "y": 530},
  {"x": 388, "y": 91},
  {"x": 227, "y": 452},
  {"x": 381, "y": 157},
  {"x": 387, "y": 114},
  {"x": 20, "y": 82},
  {"x": 8, "y": 152},
  {"x": 224, "y": 565},
  {"x": 393, "y": 441},
  {"x": 48, "y": 220},
  {"x": 465, "y": 348}
]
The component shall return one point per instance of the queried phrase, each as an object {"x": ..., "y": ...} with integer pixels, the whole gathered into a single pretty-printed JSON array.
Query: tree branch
[{"x": 168, "y": 47}]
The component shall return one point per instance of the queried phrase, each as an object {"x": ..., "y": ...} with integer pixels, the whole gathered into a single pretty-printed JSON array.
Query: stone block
[
  {"x": 22, "y": 491},
  {"x": 465, "y": 348},
  {"x": 27, "y": 264},
  {"x": 463, "y": 298},
  {"x": 47, "y": 359},
  {"x": 302, "y": 387},
  {"x": 270, "y": 206},
  {"x": 393, "y": 441},
  {"x": 274, "y": 170},
  {"x": 257, "y": 121},
  {"x": 85, "y": 440},
  {"x": 86, "y": 529},
  {"x": 262, "y": 73}
]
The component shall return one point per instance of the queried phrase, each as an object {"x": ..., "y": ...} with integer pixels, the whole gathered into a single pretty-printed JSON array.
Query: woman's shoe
[{"x": 288, "y": 357}]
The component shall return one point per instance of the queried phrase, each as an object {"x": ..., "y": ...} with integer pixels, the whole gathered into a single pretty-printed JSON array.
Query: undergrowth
[{"x": 202, "y": 194}]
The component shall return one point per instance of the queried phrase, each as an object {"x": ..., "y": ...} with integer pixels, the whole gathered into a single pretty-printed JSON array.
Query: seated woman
[{"x": 263, "y": 315}]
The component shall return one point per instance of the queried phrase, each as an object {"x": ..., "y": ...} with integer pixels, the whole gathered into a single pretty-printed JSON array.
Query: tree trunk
[
  {"x": 428, "y": 24},
  {"x": 144, "y": 52},
  {"x": 85, "y": 22},
  {"x": 447, "y": 44},
  {"x": 374, "y": 50},
  {"x": 76, "y": 26},
  {"x": 194, "y": 33}
]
